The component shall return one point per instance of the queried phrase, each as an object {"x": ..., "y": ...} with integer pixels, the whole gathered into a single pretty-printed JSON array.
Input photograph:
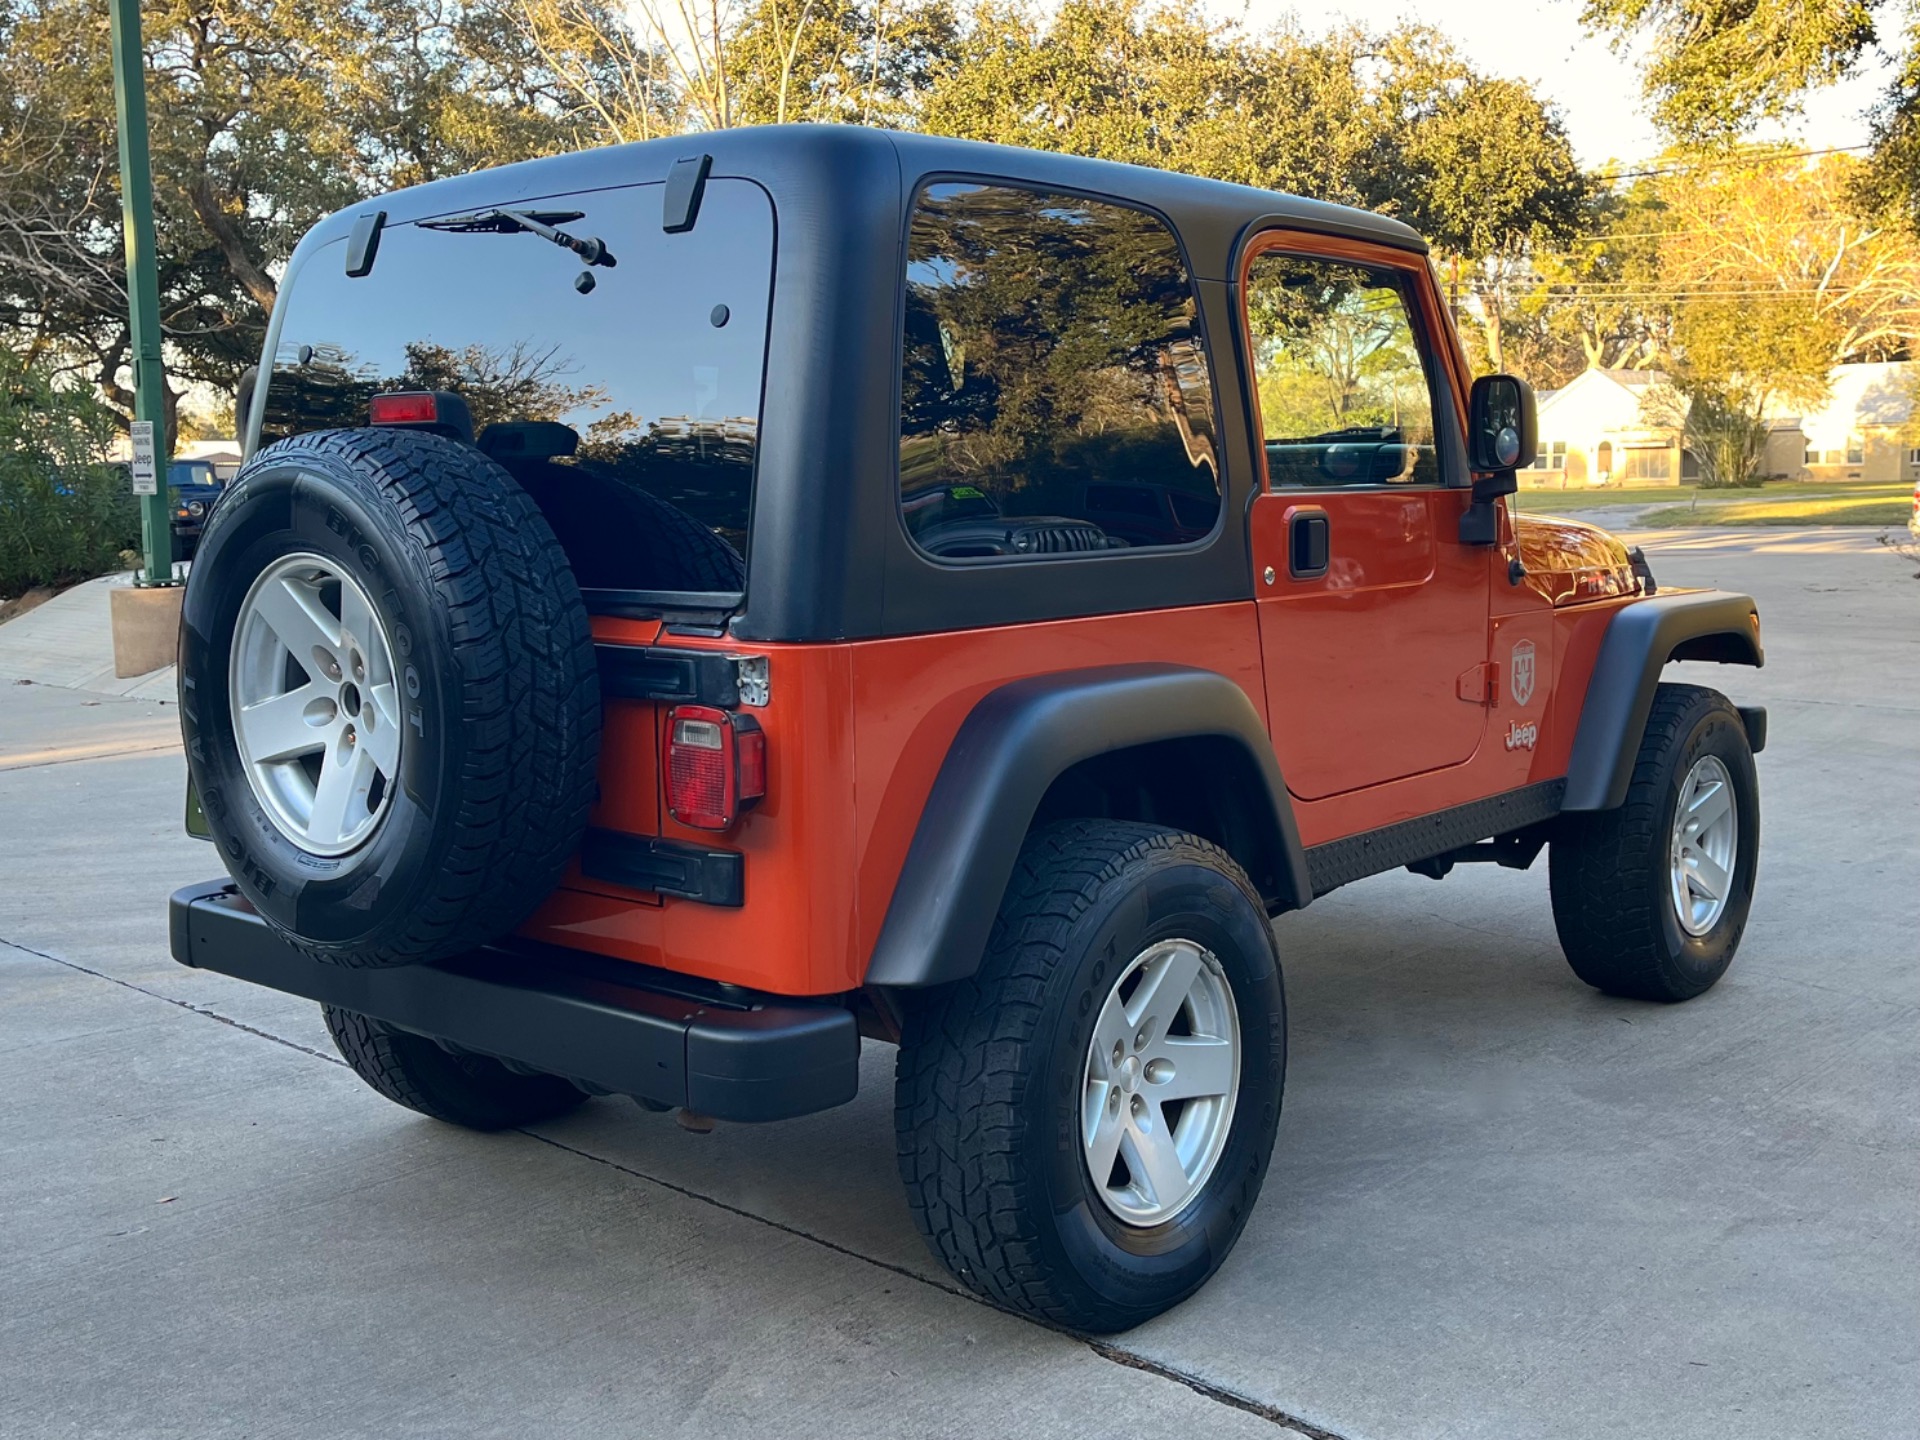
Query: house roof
[
  {"x": 1599, "y": 399},
  {"x": 1862, "y": 397}
]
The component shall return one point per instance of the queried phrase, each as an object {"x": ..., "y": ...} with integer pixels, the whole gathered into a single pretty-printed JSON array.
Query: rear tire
[
  {"x": 1010, "y": 1091},
  {"x": 1621, "y": 879},
  {"x": 475, "y": 1091}
]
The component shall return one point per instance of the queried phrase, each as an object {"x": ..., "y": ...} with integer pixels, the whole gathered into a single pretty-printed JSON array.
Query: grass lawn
[
  {"x": 1780, "y": 503},
  {"x": 1583, "y": 497},
  {"x": 1866, "y": 509}
]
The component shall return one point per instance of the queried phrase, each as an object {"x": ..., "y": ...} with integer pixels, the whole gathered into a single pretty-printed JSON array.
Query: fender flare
[
  {"x": 1641, "y": 638},
  {"x": 1012, "y": 746}
]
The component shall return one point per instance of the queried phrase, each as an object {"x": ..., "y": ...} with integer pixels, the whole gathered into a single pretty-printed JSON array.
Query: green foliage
[
  {"x": 264, "y": 118},
  {"x": 836, "y": 60},
  {"x": 1720, "y": 68},
  {"x": 1891, "y": 184},
  {"x": 64, "y": 514}
]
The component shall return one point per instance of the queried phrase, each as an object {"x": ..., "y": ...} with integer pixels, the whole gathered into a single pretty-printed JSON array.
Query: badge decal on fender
[
  {"x": 1522, "y": 737},
  {"x": 1522, "y": 673}
]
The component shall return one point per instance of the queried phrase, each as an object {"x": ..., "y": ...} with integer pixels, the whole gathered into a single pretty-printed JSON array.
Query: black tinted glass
[
  {"x": 1344, "y": 396},
  {"x": 629, "y": 410},
  {"x": 1056, "y": 395}
]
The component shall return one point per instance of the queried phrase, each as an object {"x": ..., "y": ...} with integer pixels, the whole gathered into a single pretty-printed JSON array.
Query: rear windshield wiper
[{"x": 532, "y": 222}]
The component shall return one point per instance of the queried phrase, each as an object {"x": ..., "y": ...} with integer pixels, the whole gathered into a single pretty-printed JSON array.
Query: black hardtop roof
[{"x": 766, "y": 153}]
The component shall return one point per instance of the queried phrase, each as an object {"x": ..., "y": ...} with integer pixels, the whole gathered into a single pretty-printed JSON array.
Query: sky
[{"x": 1598, "y": 91}]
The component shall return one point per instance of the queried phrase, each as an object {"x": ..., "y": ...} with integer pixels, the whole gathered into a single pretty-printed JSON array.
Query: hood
[{"x": 1569, "y": 563}]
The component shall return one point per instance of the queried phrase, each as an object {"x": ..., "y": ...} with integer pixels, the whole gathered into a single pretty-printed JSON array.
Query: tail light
[
  {"x": 440, "y": 411},
  {"x": 715, "y": 764}
]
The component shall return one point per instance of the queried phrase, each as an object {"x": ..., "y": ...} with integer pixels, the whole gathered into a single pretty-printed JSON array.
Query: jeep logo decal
[
  {"x": 1522, "y": 737},
  {"x": 1522, "y": 673}
]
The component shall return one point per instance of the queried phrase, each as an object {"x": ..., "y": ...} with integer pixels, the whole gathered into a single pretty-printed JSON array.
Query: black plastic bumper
[{"x": 613, "y": 1027}]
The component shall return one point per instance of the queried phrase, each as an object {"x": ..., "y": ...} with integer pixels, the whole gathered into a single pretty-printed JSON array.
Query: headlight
[{"x": 196, "y": 508}]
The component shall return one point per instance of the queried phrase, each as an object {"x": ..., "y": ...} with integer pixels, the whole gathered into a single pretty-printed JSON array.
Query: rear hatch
[{"x": 614, "y": 368}]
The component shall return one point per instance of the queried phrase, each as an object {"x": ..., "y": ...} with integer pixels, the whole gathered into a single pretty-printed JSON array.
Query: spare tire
[{"x": 388, "y": 692}]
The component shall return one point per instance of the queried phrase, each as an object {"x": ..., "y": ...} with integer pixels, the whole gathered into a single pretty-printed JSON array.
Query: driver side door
[{"x": 1373, "y": 615}]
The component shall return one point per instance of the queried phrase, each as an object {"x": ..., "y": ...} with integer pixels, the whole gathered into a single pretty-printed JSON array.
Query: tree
[
  {"x": 1771, "y": 280},
  {"x": 1786, "y": 242},
  {"x": 1718, "y": 69},
  {"x": 264, "y": 118},
  {"x": 1602, "y": 295},
  {"x": 1493, "y": 181}
]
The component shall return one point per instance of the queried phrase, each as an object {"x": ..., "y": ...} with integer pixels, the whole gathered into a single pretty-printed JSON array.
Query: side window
[
  {"x": 1344, "y": 392},
  {"x": 1056, "y": 396},
  {"x": 629, "y": 407}
]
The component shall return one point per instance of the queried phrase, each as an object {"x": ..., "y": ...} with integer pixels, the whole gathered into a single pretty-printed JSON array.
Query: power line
[{"x": 1728, "y": 161}]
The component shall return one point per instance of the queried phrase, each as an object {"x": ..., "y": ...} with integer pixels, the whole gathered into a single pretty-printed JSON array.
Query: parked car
[
  {"x": 192, "y": 487},
  {"x": 555, "y": 761}
]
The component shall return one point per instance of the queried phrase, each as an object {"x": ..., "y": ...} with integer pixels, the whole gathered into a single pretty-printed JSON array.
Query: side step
[{"x": 611, "y": 1026}]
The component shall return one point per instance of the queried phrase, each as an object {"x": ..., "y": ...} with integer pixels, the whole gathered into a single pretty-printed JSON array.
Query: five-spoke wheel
[
  {"x": 1706, "y": 837},
  {"x": 1162, "y": 1070},
  {"x": 315, "y": 704}
]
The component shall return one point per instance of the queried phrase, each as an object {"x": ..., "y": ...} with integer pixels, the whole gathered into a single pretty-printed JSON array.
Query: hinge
[
  {"x": 1479, "y": 685},
  {"x": 755, "y": 686}
]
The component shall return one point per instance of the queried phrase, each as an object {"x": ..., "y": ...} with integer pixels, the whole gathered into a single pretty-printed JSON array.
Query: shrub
[{"x": 65, "y": 514}]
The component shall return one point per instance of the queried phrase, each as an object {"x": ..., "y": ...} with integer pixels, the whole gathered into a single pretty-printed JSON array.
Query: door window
[
  {"x": 1345, "y": 398},
  {"x": 1056, "y": 397}
]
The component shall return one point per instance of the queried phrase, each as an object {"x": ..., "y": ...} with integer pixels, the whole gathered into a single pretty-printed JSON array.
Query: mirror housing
[
  {"x": 1503, "y": 431},
  {"x": 243, "y": 401}
]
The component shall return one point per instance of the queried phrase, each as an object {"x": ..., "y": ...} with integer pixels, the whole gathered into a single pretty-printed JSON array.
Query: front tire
[
  {"x": 474, "y": 1091},
  {"x": 1064, "y": 1155},
  {"x": 1651, "y": 899}
]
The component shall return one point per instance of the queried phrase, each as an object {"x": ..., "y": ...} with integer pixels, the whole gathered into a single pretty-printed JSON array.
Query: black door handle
[{"x": 1309, "y": 544}]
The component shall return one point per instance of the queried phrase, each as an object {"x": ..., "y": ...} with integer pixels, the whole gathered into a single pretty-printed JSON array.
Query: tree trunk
[{"x": 233, "y": 249}]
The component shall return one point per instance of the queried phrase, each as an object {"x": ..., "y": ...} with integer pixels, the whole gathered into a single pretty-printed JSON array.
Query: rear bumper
[{"x": 611, "y": 1026}]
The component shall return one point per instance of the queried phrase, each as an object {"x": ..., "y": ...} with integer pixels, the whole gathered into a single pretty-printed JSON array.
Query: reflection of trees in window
[
  {"x": 627, "y": 477},
  {"x": 1333, "y": 350},
  {"x": 517, "y": 381},
  {"x": 1050, "y": 341}
]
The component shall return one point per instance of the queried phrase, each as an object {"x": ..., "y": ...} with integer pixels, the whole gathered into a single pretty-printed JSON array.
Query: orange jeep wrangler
[{"x": 690, "y": 606}]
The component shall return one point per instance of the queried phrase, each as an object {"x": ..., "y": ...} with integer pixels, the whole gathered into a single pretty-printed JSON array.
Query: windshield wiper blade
[{"x": 592, "y": 249}]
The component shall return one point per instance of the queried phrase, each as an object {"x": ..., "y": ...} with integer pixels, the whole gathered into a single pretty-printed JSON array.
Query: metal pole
[{"x": 143, "y": 277}]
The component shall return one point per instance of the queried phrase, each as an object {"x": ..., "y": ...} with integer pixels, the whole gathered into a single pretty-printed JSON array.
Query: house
[
  {"x": 1864, "y": 430},
  {"x": 1593, "y": 432}
]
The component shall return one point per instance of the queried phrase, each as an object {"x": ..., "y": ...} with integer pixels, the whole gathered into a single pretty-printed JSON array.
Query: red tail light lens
[
  {"x": 410, "y": 407},
  {"x": 715, "y": 766}
]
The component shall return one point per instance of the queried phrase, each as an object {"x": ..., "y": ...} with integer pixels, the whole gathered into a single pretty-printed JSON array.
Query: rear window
[{"x": 629, "y": 408}]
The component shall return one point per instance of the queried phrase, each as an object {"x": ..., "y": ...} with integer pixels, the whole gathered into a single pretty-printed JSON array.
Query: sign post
[{"x": 143, "y": 291}]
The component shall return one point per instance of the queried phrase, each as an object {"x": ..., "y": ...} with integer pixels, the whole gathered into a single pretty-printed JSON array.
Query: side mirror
[{"x": 1503, "y": 431}]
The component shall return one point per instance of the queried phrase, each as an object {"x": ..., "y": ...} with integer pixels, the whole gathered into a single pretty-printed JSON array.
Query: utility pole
[{"x": 143, "y": 287}]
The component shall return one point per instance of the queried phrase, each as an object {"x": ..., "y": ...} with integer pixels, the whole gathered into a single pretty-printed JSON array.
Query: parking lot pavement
[{"x": 1501, "y": 1204}]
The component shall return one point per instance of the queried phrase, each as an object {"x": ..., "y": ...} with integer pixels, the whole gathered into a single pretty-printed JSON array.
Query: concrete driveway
[{"x": 1502, "y": 1205}]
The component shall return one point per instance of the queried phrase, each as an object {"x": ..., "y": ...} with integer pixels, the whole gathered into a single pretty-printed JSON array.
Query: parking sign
[{"x": 146, "y": 472}]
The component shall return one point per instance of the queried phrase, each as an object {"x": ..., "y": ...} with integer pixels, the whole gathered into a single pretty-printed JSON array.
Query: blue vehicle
[{"x": 193, "y": 486}]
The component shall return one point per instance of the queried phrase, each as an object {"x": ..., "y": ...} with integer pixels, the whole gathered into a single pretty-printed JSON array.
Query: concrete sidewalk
[
  {"x": 68, "y": 642},
  {"x": 1502, "y": 1206}
]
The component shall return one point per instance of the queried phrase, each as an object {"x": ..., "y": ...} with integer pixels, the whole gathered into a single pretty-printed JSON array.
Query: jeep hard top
[{"x": 691, "y": 605}]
